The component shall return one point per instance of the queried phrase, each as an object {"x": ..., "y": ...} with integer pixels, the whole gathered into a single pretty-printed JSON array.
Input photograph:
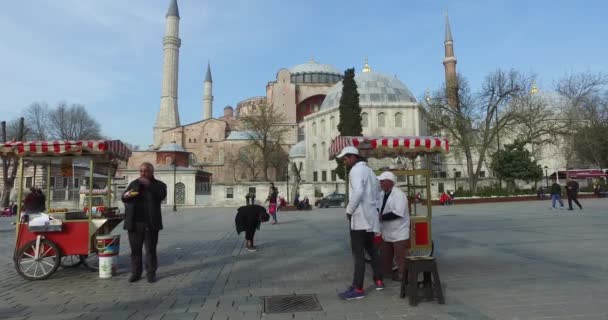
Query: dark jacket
[
  {"x": 145, "y": 204},
  {"x": 556, "y": 189},
  {"x": 572, "y": 187},
  {"x": 250, "y": 216}
]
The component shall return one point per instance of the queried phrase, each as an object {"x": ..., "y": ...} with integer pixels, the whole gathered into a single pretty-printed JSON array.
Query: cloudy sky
[{"x": 107, "y": 54}]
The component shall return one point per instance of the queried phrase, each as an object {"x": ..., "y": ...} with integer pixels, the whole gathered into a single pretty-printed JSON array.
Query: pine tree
[{"x": 350, "y": 113}]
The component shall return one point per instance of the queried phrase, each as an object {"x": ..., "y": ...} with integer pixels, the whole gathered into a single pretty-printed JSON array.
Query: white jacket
[
  {"x": 362, "y": 198},
  {"x": 398, "y": 229}
]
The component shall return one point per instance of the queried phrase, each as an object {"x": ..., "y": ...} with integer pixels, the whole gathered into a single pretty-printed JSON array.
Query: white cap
[
  {"x": 348, "y": 150},
  {"x": 387, "y": 175}
]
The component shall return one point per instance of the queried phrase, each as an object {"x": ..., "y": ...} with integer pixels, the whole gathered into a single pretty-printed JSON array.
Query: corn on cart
[{"x": 50, "y": 237}]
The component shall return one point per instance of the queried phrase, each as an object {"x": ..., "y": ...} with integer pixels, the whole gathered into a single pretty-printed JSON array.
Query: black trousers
[
  {"x": 139, "y": 237},
  {"x": 572, "y": 197},
  {"x": 361, "y": 241},
  {"x": 249, "y": 233}
]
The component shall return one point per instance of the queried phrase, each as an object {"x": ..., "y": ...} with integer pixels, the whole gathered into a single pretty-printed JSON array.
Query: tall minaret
[
  {"x": 208, "y": 95},
  {"x": 449, "y": 62},
  {"x": 168, "y": 115}
]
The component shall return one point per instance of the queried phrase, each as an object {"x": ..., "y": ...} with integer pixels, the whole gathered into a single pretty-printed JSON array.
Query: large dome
[
  {"x": 314, "y": 67},
  {"x": 298, "y": 150},
  {"x": 375, "y": 89}
]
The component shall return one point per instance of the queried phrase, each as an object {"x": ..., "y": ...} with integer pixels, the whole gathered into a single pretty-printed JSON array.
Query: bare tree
[
  {"x": 585, "y": 113},
  {"x": 474, "y": 122},
  {"x": 37, "y": 118},
  {"x": 266, "y": 128},
  {"x": 250, "y": 158},
  {"x": 73, "y": 123},
  {"x": 537, "y": 121},
  {"x": 9, "y": 164}
]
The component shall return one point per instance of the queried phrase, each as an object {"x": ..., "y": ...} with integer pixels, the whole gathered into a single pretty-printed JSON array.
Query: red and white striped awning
[
  {"x": 109, "y": 149},
  {"x": 381, "y": 147}
]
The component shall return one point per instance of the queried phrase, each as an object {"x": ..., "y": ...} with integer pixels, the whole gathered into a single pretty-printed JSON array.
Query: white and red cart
[
  {"x": 412, "y": 178},
  {"x": 70, "y": 239}
]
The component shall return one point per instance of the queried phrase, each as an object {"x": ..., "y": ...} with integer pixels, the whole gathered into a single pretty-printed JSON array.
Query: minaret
[
  {"x": 168, "y": 115},
  {"x": 449, "y": 62},
  {"x": 208, "y": 95}
]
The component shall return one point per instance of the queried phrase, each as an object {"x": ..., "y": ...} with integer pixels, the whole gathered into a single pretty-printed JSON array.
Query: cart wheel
[
  {"x": 91, "y": 261},
  {"x": 70, "y": 261},
  {"x": 32, "y": 268}
]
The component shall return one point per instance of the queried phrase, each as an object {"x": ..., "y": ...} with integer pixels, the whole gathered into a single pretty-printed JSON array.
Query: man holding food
[{"x": 143, "y": 220}]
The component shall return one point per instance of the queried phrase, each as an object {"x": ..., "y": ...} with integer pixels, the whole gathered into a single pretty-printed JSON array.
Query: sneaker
[
  {"x": 561, "y": 208},
  {"x": 252, "y": 249},
  {"x": 379, "y": 285},
  {"x": 351, "y": 293},
  {"x": 553, "y": 209}
]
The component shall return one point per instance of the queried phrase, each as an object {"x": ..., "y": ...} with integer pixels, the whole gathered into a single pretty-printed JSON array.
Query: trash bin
[{"x": 108, "y": 247}]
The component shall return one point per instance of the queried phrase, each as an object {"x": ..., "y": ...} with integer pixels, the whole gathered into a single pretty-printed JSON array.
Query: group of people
[
  {"x": 572, "y": 189},
  {"x": 447, "y": 198},
  {"x": 35, "y": 201},
  {"x": 377, "y": 208}
]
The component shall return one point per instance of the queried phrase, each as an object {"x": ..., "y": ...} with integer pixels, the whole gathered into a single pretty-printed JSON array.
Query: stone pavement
[{"x": 496, "y": 261}]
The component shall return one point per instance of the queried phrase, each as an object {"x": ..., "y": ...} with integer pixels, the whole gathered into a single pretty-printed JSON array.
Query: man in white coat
[
  {"x": 395, "y": 225},
  {"x": 362, "y": 213}
]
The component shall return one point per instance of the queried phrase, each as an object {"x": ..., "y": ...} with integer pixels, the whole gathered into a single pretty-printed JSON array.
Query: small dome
[
  {"x": 172, "y": 147},
  {"x": 375, "y": 89},
  {"x": 298, "y": 150},
  {"x": 314, "y": 67}
]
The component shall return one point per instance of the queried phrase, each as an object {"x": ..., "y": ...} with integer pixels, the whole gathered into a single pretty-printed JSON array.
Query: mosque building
[{"x": 196, "y": 159}]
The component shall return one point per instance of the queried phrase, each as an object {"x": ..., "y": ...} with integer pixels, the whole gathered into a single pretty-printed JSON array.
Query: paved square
[{"x": 496, "y": 261}]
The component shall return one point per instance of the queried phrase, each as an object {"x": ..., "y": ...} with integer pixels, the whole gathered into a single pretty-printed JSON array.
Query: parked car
[{"x": 333, "y": 200}]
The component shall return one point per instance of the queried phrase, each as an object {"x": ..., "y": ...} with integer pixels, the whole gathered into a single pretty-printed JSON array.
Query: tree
[
  {"x": 266, "y": 129},
  {"x": 16, "y": 131},
  {"x": 472, "y": 125},
  {"x": 37, "y": 117},
  {"x": 73, "y": 123},
  {"x": 350, "y": 113},
  {"x": 515, "y": 162},
  {"x": 250, "y": 158},
  {"x": 585, "y": 114}
]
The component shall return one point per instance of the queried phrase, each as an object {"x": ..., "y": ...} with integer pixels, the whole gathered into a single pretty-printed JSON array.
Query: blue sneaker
[{"x": 351, "y": 293}]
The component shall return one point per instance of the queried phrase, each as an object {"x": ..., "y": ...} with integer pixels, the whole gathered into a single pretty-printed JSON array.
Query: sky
[{"x": 107, "y": 54}]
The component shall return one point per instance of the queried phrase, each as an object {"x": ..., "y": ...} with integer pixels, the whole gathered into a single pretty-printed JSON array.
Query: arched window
[
  {"x": 314, "y": 128},
  {"x": 322, "y": 150},
  {"x": 168, "y": 160},
  {"x": 364, "y": 119},
  {"x": 314, "y": 151},
  {"x": 322, "y": 126},
  {"x": 381, "y": 120},
  {"x": 189, "y": 140},
  {"x": 332, "y": 122},
  {"x": 398, "y": 120}
]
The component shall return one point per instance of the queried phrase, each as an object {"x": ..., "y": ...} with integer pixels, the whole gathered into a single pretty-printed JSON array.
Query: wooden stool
[{"x": 409, "y": 284}]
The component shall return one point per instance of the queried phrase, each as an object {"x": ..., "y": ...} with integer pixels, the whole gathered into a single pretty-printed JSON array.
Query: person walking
[
  {"x": 556, "y": 195},
  {"x": 273, "y": 194},
  {"x": 143, "y": 220},
  {"x": 572, "y": 192},
  {"x": 364, "y": 222},
  {"x": 395, "y": 225}
]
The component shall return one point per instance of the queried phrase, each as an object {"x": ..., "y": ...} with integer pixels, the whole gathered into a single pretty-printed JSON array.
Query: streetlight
[
  {"x": 546, "y": 177},
  {"x": 454, "y": 171},
  {"x": 287, "y": 181},
  {"x": 174, "y": 163}
]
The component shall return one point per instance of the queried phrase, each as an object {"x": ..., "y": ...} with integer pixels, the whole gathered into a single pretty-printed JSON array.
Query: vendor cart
[
  {"x": 411, "y": 162},
  {"x": 68, "y": 237}
]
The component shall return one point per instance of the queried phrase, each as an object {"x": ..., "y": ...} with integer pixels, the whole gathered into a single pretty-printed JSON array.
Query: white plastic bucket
[{"x": 108, "y": 247}]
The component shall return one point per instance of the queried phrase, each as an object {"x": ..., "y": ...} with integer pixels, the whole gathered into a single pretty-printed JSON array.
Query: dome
[
  {"x": 298, "y": 150},
  {"x": 172, "y": 147},
  {"x": 314, "y": 67},
  {"x": 375, "y": 89}
]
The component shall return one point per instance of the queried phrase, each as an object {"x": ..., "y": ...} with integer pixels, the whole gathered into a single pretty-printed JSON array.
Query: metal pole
[
  {"x": 546, "y": 177},
  {"x": 174, "y": 185},
  {"x": 287, "y": 181},
  {"x": 498, "y": 147},
  {"x": 48, "y": 187}
]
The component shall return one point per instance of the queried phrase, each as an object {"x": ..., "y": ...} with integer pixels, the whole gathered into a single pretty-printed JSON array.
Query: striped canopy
[
  {"x": 381, "y": 147},
  {"x": 108, "y": 149}
]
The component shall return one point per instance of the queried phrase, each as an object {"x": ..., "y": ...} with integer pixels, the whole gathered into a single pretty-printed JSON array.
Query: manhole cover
[{"x": 291, "y": 303}]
